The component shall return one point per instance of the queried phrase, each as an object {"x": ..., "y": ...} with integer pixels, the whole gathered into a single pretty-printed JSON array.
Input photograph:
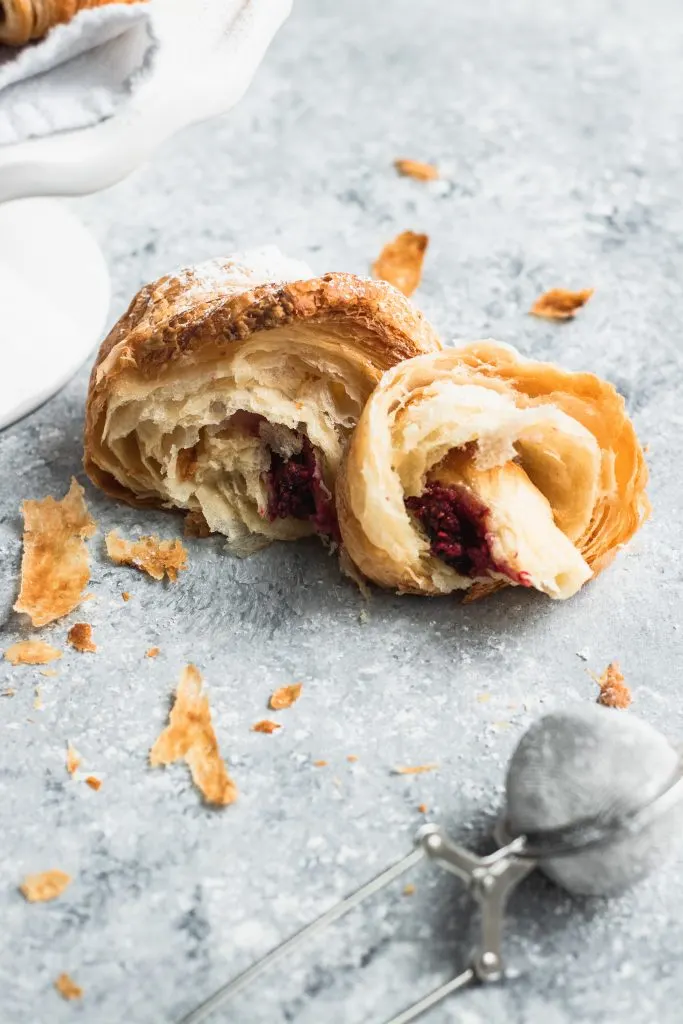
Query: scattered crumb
[
  {"x": 73, "y": 759},
  {"x": 415, "y": 769},
  {"x": 400, "y": 261},
  {"x": 422, "y": 808},
  {"x": 483, "y": 698},
  {"x": 93, "y": 782},
  {"x": 416, "y": 169},
  {"x": 614, "y": 693},
  {"x": 152, "y": 555},
  {"x": 265, "y": 725},
  {"x": 195, "y": 525},
  {"x": 38, "y": 700},
  {"x": 500, "y": 726},
  {"x": 409, "y": 889},
  {"x": 55, "y": 566},
  {"x": 190, "y": 735},
  {"x": 352, "y": 758},
  {"x": 152, "y": 652},
  {"x": 49, "y": 672},
  {"x": 80, "y": 637},
  {"x": 560, "y": 304},
  {"x": 285, "y": 696},
  {"x": 126, "y": 595},
  {"x": 48, "y": 885},
  {"x": 9, "y": 692},
  {"x": 31, "y": 652},
  {"x": 67, "y": 987},
  {"x": 320, "y": 764}
]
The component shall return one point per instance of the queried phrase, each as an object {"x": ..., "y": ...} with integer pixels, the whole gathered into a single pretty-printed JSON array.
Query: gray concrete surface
[{"x": 559, "y": 130}]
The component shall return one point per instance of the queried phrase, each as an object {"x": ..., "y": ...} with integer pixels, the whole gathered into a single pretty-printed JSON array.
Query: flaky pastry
[
  {"x": 476, "y": 467},
  {"x": 231, "y": 389},
  {"x": 24, "y": 20}
]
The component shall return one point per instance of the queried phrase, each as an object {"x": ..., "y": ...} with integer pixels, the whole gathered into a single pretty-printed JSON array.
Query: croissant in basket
[
  {"x": 231, "y": 389},
  {"x": 22, "y": 21},
  {"x": 475, "y": 467}
]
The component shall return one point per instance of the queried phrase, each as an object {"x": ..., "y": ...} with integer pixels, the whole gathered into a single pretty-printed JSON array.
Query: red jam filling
[
  {"x": 456, "y": 523},
  {"x": 297, "y": 489}
]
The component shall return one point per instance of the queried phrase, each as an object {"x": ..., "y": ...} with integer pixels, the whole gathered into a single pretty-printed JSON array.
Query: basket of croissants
[{"x": 25, "y": 21}]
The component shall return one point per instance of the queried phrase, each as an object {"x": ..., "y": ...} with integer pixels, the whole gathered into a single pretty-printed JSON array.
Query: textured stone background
[{"x": 559, "y": 130}]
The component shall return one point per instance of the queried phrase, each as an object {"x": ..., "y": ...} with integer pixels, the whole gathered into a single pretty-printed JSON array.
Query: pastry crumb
[
  {"x": 80, "y": 637},
  {"x": 31, "y": 652},
  {"x": 156, "y": 557},
  {"x": 38, "y": 699},
  {"x": 67, "y": 987},
  {"x": 400, "y": 261},
  {"x": 614, "y": 693},
  {"x": 416, "y": 169},
  {"x": 320, "y": 764},
  {"x": 49, "y": 673},
  {"x": 195, "y": 525},
  {"x": 285, "y": 696},
  {"x": 152, "y": 652},
  {"x": 55, "y": 566},
  {"x": 414, "y": 769},
  {"x": 73, "y": 759},
  {"x": 409, "y": 889},
  {"x": 47, "y": 885},
  {"x": 8, "y": 692},
  {"x": 126, "y": 595},
  {"x": 266, "y": 726},
  {"x": 422, "y": 808},
  {"x": 560, "y": 304},
  {"x": 93, "y": 782},
  {"x": 190, "y": 736},
  {"x": 352, "y": 758}
]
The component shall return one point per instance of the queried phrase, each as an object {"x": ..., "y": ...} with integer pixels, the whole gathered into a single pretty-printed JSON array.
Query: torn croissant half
[
  {"x": 231, "y": 389},
  {"x": 476, "y": 467}
]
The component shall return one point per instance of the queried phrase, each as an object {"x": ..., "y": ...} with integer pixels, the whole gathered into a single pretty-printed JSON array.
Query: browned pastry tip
[{"x": 24, "y": 21}]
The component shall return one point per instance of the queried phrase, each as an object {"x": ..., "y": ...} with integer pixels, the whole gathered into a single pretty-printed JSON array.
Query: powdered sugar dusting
[{"x": 230, "y": 275}]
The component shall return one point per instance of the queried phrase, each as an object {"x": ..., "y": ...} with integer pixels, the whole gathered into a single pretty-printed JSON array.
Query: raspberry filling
[
  {"x": 297, "y": 489},
  {"x": 456, "y": 523}
]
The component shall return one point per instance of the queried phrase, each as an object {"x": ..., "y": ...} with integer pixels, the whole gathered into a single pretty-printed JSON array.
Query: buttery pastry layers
[
  {"x": 477, "y": 467},
  {"x": 22, "y": 21},
  {"x": 231, "y": 389}
]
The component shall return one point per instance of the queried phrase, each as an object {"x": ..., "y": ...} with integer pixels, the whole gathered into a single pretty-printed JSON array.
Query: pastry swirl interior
[
  {"x": 231, "y": 389},
  {"x": 475, "y": 466}
]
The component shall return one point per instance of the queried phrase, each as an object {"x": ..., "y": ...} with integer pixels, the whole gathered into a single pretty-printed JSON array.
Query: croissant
[
  {"x": 230, "y": 390},
  {"x": 476, "y": 468},
  {"x": 24, "y": 20}
]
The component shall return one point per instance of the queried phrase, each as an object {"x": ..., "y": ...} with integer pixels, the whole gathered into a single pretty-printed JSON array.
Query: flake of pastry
[
  {"x": 80, "y": 637},
  {"x": 190, "y": 736},
  {"x": 560, "y": 304},
  {"x": 67, "y": 988},
  {"x": 31, "y": 652},
  {"x": 409, "y": 889},
  {"x": 55, "y": 566},
  {"x": 156, "y": 557},
  {"x": 400, "y": 261},
  {"x": 614, "y": 693},
  {"x": 266, "y": 726},
  {"x": 93, "y": 782},
  {"x": 230, "y": 390},
  {"x": 475, "y": 469},
  {"x": 152, "y": 652},
  {"x": 7, "y": 692},
  {"x": 125, "y": 595},
  {"x": 47, "y": 885},
  {"x": 24, "y": 21},
  {"x": 416, "y": 169},
  {"x": 414, "y": 769},
  {"x": 352, "y": 758},
  {"x": 73, "y": 759},
  {"x": 422, "y": 808},
  {"x": 320, "y": 764},
  {"x": 285, "y": 696},
  {"x": 38, "y": 699},
  {"x": 49, "y": 673}
]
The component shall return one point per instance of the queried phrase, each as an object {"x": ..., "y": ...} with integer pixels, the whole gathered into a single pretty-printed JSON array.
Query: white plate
[{"x": 54, "y": 300}]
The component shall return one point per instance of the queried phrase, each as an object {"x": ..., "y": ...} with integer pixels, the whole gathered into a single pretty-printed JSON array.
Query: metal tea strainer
[{"x": 593, "y": 799}]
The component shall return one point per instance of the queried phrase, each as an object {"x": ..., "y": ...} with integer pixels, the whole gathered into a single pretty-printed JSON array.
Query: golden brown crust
[
  {"x": 28, "y": 20},
  {"x": 177, "y": 318}
]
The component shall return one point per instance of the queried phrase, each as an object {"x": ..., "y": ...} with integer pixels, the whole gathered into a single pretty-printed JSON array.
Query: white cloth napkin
[{"x": 81, "y": 73}]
